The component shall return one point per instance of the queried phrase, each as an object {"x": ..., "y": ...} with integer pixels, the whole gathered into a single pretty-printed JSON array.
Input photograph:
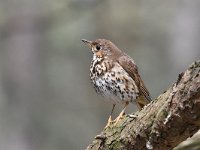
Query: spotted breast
[{"x": 112, "y": 82}]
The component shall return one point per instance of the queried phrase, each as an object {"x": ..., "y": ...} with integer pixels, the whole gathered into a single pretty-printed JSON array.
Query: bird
[{"x": 115, "y": 76}]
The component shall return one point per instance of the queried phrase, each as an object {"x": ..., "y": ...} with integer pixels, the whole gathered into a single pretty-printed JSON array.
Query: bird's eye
[{"x": 98, "y": 47}]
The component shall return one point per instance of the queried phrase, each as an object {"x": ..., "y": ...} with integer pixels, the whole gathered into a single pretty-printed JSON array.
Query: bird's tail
[{"x": 142, "y": 101}]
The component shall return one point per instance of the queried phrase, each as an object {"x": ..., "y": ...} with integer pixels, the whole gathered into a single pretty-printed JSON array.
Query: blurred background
[{"x": 46, "y": 99}]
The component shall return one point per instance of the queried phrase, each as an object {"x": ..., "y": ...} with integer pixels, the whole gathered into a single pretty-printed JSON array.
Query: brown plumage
[
  {"x": 129, "y": 66},
  {"x": 115, "y": 76}
]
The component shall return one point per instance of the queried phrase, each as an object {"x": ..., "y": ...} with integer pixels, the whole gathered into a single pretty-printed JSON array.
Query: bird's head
[{"x": 102, "y": 48}]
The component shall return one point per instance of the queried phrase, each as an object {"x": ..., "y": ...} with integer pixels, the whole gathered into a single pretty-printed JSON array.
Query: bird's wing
[{"x": 130, "y": 67}]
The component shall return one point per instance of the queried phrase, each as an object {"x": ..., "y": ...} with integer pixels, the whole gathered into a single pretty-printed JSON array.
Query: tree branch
[{"x": 163, "y": 124}]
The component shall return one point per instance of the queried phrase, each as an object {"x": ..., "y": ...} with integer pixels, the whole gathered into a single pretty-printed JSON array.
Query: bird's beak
[{"x": 89, "y": 43}]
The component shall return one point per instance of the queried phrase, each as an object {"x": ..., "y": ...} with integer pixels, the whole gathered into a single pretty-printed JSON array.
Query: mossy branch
[{"x": 163, "y": 124}]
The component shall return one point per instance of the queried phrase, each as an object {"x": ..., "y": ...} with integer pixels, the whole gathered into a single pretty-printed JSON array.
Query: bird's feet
[
  {"x": 119, "y": 118},
  {"x": 109, "y": 122}
]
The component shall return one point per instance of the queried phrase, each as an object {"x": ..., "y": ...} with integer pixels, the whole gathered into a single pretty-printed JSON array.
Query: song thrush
[{"x": 115, "y": 76}]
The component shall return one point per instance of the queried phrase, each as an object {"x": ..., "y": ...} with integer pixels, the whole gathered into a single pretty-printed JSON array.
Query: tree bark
[{"x": 163, "y": 124}]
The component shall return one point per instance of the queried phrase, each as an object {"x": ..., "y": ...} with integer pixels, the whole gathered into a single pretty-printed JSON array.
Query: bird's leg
[
  {"x": 121, "y": 114},
  {"x": 102, "y": 136},
  {"x": 110, "y": 117}
]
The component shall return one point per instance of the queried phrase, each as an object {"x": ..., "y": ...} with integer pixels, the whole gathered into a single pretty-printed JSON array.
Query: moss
[
  {"x": 164, "y": 114},
  {"x": 115, "y": 145},
  {"x": 195, "y": 64}
]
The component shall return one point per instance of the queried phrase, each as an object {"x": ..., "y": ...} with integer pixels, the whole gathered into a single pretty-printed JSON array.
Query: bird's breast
[{"x": 112, "y": 82}]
